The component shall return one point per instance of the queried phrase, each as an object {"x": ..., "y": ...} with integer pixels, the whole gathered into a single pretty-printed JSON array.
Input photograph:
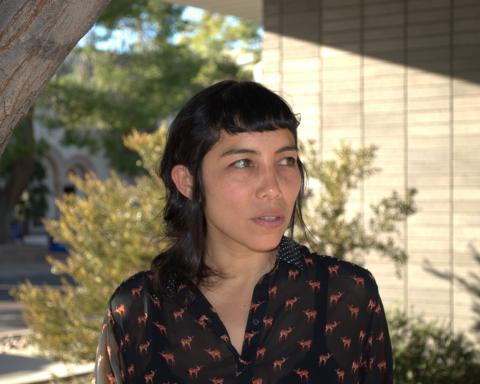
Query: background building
[
  {"x": 60, "y": 161},
  {"x": 404, "y": 75}
]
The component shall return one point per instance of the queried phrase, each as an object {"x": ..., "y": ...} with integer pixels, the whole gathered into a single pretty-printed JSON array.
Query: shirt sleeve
[
  {"x": 376, "y": 356},
  {"x": 109, "y": 363}
]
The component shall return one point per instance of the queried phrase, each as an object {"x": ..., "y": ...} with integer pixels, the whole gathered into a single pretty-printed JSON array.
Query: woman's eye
[
  {"x": 288, "y": 161},
  {"x": 243, "y": 163}
]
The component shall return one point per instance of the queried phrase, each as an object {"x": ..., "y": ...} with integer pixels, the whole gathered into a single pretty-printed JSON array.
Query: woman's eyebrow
[
  {"x": 240, "y": 151},
  {"x": 287, "y": 148}
]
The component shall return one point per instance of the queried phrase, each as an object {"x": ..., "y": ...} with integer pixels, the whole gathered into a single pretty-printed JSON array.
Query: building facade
[{"x": 59, "y": 162}]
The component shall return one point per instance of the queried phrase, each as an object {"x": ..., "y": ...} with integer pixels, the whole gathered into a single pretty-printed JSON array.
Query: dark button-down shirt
[{"x": 312, "y": 319}]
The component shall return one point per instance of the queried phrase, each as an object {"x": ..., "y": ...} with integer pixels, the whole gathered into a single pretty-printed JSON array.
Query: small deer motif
[
  {"x": 120, "y": 309},
  {"x": 156, "y": 302},
  {"x": 360, "y": 281},
  {"x": 329, "y": 327},
  {"x": 314, "y": 284},
  {"x": 214, "y": 354},
  {"x": 193, "y": 372},
  {"x": 136, "y": 291},
  {"x": 169, "y": 357},
  {"x": 355, "y": 366},
  {"x": 340, "y": 375},
  {"x": 149, "y": 377},
  {"x": 186, "y": 342},
  {"x": 333, "y": 270},
  {"x": 354, "y": 311},
  {"x": 279, "y": 363},
  {"x": 249, "y": 336},
  {"x": 347, "y": 342},
  {"x": 142, "y": 319},
  {"x": 311, "y": 314},
  {"x": 305, "y": 344},
  {"x": 143, "y": 348},
  {"x": 322, "y": 359},
  {"x": 161, "y": 328},
  {"x": 255, "y": 306},
  {"x": 362, "y": 335},
  {"x": 371, "y": 304},
  {"x": 272, "y": 292},
  {"x": 178, "y": 314},
  {"x": 382, "y": 366},
  {"x": 290, "y": 302},
  {"x": 225, "y": 338},
  {"x": 302, "y": 373},
  {"x": 335, "y": 297},
  {"x": 268, "y": 321},
  {"x": 308, "y": 261},
  {"x": 380, "y": 337},
  {"x": 284, "y": 333},
  {"x": 261, "y": 352},
  {"x": 292, "y": 274}
]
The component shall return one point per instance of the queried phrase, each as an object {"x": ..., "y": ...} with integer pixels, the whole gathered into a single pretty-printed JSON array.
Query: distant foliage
[
  {"x": 336, "y": 232},
  {"x": 112, "y": 230},
  {"x": 428, "y": 353}
]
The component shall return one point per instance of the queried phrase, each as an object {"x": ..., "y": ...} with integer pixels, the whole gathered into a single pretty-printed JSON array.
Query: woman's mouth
[{"x": 269, "y": 221}]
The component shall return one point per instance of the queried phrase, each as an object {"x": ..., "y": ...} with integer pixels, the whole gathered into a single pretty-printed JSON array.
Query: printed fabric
[{"x": 313, "y": 319}]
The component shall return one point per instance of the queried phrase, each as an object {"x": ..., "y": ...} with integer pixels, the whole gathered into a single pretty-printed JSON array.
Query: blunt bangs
[{"x": 250, "y": 107}]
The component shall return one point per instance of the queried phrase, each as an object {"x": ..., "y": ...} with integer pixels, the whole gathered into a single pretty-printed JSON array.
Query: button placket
[{"x": 254, "y": 323}]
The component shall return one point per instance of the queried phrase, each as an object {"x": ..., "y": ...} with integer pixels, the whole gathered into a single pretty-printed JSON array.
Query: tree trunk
[
  {"x": 35, "y": 38},
  {"x": 18, "y": 179}
]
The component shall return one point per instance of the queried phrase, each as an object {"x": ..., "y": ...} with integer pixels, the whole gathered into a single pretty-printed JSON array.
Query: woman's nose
[{"x": 269, "y": 187}]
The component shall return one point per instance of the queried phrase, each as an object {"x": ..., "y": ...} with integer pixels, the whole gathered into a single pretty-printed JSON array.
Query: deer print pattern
[{"x": 313, "y": 319}]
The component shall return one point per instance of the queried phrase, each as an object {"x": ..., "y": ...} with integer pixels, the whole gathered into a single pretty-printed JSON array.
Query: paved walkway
[{"x": 20, "y": 363}]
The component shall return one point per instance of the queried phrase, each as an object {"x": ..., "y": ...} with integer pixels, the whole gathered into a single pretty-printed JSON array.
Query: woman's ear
[{"x": 183, "y": 180}]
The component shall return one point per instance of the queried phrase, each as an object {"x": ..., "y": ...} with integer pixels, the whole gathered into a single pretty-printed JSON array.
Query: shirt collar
[{"x": 289, "y": 252}]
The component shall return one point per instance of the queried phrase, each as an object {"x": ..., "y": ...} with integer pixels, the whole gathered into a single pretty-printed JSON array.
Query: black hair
[{"x": 230, "y": 106}]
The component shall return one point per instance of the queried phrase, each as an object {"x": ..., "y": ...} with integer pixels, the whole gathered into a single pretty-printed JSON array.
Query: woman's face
[{"x": 251, "y": 182}]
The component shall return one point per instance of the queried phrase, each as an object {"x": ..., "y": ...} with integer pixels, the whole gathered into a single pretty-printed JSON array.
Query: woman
[{"x": 233, "y": 300}]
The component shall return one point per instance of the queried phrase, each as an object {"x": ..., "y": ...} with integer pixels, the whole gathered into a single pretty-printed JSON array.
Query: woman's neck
[{"x": 238, "y": 266}]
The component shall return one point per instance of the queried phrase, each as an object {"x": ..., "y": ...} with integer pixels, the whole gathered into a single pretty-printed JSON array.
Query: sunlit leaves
[{"x": 342, "y": 232}]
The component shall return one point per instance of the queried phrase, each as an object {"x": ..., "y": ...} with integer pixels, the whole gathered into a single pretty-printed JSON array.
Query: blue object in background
[
  {"x": 15, "y": 231},
  {"x": 53, "y": 246}
]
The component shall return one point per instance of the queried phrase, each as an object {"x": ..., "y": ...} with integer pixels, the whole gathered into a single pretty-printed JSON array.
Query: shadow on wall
[
  {"x": 436, "y": 36},
  {"x": 470, "y": 283}
]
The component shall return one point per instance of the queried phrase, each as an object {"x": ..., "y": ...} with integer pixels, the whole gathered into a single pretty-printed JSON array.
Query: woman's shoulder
[
  {"x": 130, "y": 293},
  {"x": 342, "y": 274},
  {"x": 134, "y": 284}
]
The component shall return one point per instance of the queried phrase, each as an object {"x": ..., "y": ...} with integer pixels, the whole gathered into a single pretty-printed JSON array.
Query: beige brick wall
[{"x": 404, "y": 75}]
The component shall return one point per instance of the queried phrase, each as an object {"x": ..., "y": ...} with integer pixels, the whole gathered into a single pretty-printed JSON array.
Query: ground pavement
[{"x": 19, "y": 362}]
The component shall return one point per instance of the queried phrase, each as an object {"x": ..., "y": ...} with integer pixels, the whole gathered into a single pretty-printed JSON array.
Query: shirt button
[{"x": 256, "y": 321}]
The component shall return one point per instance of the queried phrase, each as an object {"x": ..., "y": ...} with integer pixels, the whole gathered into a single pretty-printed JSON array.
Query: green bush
[
  {"x": 113, "y": 229},
  {"x": 429, "y": 353}
]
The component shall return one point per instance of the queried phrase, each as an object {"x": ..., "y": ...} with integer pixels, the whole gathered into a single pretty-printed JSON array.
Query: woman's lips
[{"x": 269, "y": 221}]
